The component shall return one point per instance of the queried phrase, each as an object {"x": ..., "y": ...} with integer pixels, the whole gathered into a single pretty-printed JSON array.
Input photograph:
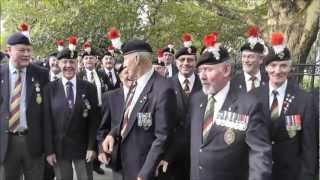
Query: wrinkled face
[
  {"x": 124, "y": 78},
  {"x": 167, "y": 58},
  {"x": 213, "y": 77},
  {"x": 108, "y": 62},
  {"x": 53, "y": 63},
  {"x": 89, "y": 62},
  {"x": 278, "y": 72},
  {"x": 68, "y": 67},
  {"x": 131, "y": 63},
  {"x": 186, "y": 64},
  {"x": 20, "y": 55},
  {"x": 251, "y": 62}
]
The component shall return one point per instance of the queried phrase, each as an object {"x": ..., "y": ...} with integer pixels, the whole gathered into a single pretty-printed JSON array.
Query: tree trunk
[{"x": 298, "y": 20}]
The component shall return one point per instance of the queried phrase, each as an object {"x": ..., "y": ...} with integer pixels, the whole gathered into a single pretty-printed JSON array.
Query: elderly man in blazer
[
  {"x": 186, "y": 83},
  {"x": 70, "y": 121},
  {"x": 290, "y": 114},
  {"x": 147, "y": 115},
  {"x": 21, "y": 112},
  {"x": 252, "y": 54},
  {"x": 229, "y": 136}
]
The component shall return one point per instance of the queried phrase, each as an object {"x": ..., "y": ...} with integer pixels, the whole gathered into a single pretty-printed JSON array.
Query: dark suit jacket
[
  {"x": 238, "y": 80},
  {"x": 142, "y": 146},
  {"x": 111, "y": 110},
  {"x": 294, "y": 158},
  {"x": 34, "y": 111},
  {"x": 107, "y": 83},
  {"x": 82, "y": 75},
  {"x": 180, "y": 142},
  {"x": 248, "y": 157},
  {"x": 68, "y": 133}
]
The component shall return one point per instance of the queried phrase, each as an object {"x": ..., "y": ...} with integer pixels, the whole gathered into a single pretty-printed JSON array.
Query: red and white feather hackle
[
  {"x": 114, "y": 36},
  {"x": 60, "y": 44},
  {"x": 187, "y": 40},
  {"x": 72, "y": 43},
  {"x": 277, "y": 41}
]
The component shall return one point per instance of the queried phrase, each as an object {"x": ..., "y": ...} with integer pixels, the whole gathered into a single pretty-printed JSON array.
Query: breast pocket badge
[{"x": 144, "y": 120}]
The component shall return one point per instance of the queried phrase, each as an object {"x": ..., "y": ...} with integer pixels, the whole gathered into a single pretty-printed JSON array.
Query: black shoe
[{"x": 98, "y": 170}]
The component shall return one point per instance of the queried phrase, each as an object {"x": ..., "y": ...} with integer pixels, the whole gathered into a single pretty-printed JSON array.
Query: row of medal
[
  {"x": 232, "y": 120},
  {"x": 293, "y": 122}
]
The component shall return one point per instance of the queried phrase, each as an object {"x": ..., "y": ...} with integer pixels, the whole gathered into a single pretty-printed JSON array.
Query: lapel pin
[
  {"x": 201, "y": 105},
  {"x": 176, "y": 92},
  {"x": 240, "y": 86},
  {"x": 32, "y": 79},
  {"x": 2, "y": 81}
]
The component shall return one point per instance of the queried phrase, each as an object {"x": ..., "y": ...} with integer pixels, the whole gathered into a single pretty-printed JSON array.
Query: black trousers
[{"x": 19, "y": 161}]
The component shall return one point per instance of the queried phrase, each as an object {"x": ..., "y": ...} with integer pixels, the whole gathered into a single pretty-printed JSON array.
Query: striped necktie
[
  {"x": 253, "y": 78},
  {"x": 208, "y": 118},
  {"x": 186, "y": 88},
  {"x": 128, "y": 106},
  {"x": 274, "y": 106},
  {"x": 14, "y": 120}
]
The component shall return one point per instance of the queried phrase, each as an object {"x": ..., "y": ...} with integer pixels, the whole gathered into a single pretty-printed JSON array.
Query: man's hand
[
  {"x": 52, "y": 160},
  {"x": 103, "y": 158},
  {"x": 164, "y": 165},
  {"x": 90, "y": 156},
  {"x": 107, "y": 144},
  {"x": 139, "y": 178}
]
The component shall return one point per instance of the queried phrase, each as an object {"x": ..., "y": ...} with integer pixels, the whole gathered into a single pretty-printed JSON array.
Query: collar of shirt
[
  {"x": 13, "y": 69},
  {"x": 220, "y": 97},
  {"x": 280, "y": 97},
  {"x": 73, "y": 80},
  {"x": 88, "y": 72},
  {"x": 248, "y": 76},
  {"x": 141, "y": 83},
  {"x": 190, "y": 78},
  {"x": 114, "y": 79}
]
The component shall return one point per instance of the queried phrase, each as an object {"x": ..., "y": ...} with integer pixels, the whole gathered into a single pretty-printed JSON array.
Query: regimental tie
[
  {"x": 274, "y": 106},
  {"x": 110, "y": 77},
  {"x": 186, "y": 87},
  {"x": 92, "y": 77},
  {"x": 128, "y": 106},
  {"x": 253, "y": 78},
  {"x": 70, "y": 95},
  {"x": 208, "y": 118},
  {"x": 14, "y": 120}
]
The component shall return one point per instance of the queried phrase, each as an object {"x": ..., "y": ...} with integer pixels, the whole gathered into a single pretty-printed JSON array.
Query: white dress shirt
[
  {"x": 191, "y": 80},
  {"x": 169, "y": 69},
  {"x": 220, "y": 97},
  {"x": 97, "y": 82},
  {"x": 141, "y": 83},
  {"x": 249, "y": 81},
  {"x": 74, "y": 86},
  {"x": 59, "y": 75},
  {"x": 280, "y": 97},
  {"x": 114, "y": 79}
]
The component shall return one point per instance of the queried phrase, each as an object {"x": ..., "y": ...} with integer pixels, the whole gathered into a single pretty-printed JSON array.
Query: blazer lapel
[
  {"x": 62, "y": 111},
  {"x": 143, "y": 98},
  {"x": 29, "y": 83},
  {"x": 203, "y": 100}
]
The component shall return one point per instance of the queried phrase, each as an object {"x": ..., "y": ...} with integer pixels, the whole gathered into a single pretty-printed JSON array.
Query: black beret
[
  {"x": 280, "y": 56},
  {"x": 92, "y": 53},
  {"x": 210, "y": 58},
  {"x": 18, "y": 38},
  {"x": 107, "y": 53},
  {"x": 169, "y": 50},
  {"x": 257, "y": 48},
  {"x": 186, "y": 51},
  {"x": 136, "y": 46},
  {"x": 67, "y": 54}
]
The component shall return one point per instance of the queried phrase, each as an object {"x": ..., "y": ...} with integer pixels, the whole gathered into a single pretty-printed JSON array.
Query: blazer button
[
  {"x": 272, "y": 142},
  {"x": 200, "y": 150}
]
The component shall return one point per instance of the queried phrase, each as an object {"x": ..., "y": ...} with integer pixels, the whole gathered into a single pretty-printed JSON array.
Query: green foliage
[{"x": 164, "y": 20}]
